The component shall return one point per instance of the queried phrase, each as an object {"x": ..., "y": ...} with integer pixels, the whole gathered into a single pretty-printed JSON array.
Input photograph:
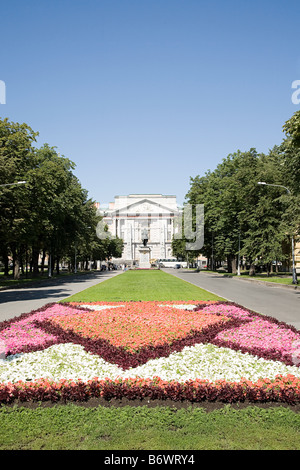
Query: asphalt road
[
  {"x": 15, "y": 301},
  {"x": 279, "y": 302}
]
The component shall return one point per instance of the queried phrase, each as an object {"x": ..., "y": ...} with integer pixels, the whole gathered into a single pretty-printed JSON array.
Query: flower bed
[{"x": 176, "y": 350}]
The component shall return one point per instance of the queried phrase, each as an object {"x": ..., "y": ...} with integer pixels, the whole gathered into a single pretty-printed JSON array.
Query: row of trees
[
  {"x": 243, "y": 218},
  {"x": 49, "y": 217}
]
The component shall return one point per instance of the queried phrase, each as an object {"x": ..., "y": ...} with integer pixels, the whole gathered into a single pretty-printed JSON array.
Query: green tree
[
  {"x": 61, "y": 213},
  {"x": 52, "y": 215},
  {"x": 16, "y": 159},
  {"x": 292, "y": 130},
  {"x": 235, "y": 213},
  {"x": 226, "y": 193}
]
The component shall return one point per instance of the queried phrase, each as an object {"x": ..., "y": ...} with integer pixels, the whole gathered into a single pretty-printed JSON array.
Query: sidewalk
[
  {"x": 18, "y": 300},
  {"x": 44, "y": 280}
]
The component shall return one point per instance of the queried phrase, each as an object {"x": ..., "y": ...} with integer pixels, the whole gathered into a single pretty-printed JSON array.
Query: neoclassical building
[{"x": 128, "y": 216}]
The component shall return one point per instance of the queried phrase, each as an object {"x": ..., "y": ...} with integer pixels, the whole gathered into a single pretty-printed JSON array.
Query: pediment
[{"x": 144, "y": 206}]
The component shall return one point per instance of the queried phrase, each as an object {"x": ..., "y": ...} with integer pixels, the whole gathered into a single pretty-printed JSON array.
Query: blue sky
[{"x": 143, "y": 94}]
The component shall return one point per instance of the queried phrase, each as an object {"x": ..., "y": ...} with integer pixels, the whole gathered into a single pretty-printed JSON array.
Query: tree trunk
[
  {"x": 57, "y": 265},
  {"x": 6, "y": 266},
  {"x": 43, "y": 261},
  {"x": 21, "y": 258},
  {"x": 17, "y": 268},
  {"x": 35, "y": 261},
  {"x": 16, "y": 263},
  {"x": 52, "y": 264},
  {"x": 233, "y": 265},
  {"x": 252, "y": 270},
  {"x": 26, "y": 261},
  {"x": 22, "y": 265},
  {"x": 229, "y": 264}
]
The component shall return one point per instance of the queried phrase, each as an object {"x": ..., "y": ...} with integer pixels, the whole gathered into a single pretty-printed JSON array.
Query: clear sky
[{"x": 143, "y": 94}]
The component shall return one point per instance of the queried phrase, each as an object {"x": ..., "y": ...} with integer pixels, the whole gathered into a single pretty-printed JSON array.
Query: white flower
[
  {"x": 61, "y": 361},
  {"x": 100, "y": 307},
  {"x": 204, "y": 361},
  {"x": 181, "y": 306}
]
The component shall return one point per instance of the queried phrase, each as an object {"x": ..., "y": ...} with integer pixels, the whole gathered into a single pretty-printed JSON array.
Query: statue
[{"x": 145, "y": 236}]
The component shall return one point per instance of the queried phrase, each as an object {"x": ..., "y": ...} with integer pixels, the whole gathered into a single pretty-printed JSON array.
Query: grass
[
  {"x": 140, "y": 428},
  {"x": 278, "y": 280},
  {"x": 273, "y": 277},
  {"x": 142, "y": 285},
  {"x": 75, "y": 427}
]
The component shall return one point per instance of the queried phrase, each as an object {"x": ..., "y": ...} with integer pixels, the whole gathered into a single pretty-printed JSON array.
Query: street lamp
[
  {"x": 277, "y": 185},
  {"x": 293, "y": 251},
  {"x": 12, "y": 184}
]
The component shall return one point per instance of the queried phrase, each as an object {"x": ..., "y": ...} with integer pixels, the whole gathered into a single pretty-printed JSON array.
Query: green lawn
[
  {"x": 143, "y": 285},
  {"x": 65, "y": 427},
  {"x": 278, "y": 280},
  {"x": 75, "y": 427},
  {"x": 273, "y": 277}
]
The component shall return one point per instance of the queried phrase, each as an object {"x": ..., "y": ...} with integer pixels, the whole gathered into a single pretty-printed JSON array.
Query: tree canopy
[
  {"x": 51, "y": 215},
  {"x": 243, "y": 218}
]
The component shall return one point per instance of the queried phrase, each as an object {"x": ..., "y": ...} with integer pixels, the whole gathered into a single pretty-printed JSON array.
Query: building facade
[{"x": 128, "y": 216}]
